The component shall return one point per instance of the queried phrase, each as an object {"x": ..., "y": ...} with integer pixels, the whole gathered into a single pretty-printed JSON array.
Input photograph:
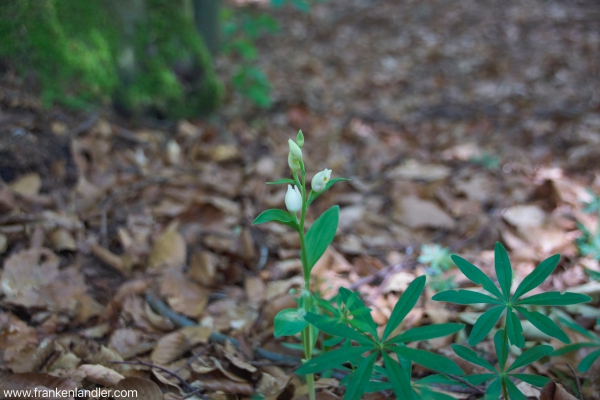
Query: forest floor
[{"x": 459, "y": 123}]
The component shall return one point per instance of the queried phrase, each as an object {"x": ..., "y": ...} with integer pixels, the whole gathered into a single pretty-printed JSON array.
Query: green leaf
[
  {"x": 544, "y": 324},
  {"x": 587, "y": 362},
  {"x": 465, "y": 297},
  {"x": 476, "y": 275},
  {"x": 313, "y": 195},
  {"x": 555, "y": 299},
  {"x": 501, "y": 348},
  {"x": 333, "y": 341},
  {"x": 320, "y": 235},
  {"x": 531, "y": 355},
  {"x": 472, "y": 357},
  {"x": 430, "y": 394},
  {"x": 288, "y": 322},
  {"x": 406, "y": 302},
  {"x": 493, "y": 391},
  {"x": 426, "y": 332},
  {"x": 399, "y": 379},
  {"x": 514, "y": 329},
  {"x": 484, "y": 324},
  {"x": 578, "y": 328},
  {"x": 331, "y": 359},
  {"x": 573, "y": 347},
  {"x": 356, "y": 306},
  {"x": 274, "y": 215},
  {"x": 282, "y": 182},
  {"x": 513, "y": 392},
  {"x": 360, "y": 378},
  {"x": 336, "y": 327},
  {"x": 535, "y": 380},
  {"x": 503, "y": 269},
  {"x": 428, "y": 359},
  {"x": 537, "y": 276}
]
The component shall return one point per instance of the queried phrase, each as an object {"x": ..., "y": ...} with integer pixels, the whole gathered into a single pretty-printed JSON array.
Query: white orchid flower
[
  {"x": 295, "y": 151},
  {"x": 320, "y": 180},
  {"x": 293, "y": 199}
]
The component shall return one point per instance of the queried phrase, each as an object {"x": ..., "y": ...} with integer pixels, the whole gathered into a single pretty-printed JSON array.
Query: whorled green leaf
[
  {"x": 427, "y": 393},
  {"x": 588, "y": 360},
  {"x": 426, "y": 332},
  {"x": 578, "y": 328},
  {"x": 544, "y": 324},
  {"x": 535, "y": 380},
  {"x": 484, "y": 324},
  {"x": 398, "y": 377},
  {"x": 513, "y": 392},
  {"x": 476, "y": 275},
  {"x": 360, "y": 378},
  {"x": 501, "y": 347},
  {"x": 320, "y": 235},
  {"x": 336, "y": 327},
  {"x": 289, "y": 322},
  {"x": 493, "y": 390},
  {"x": 282, "y": 182},
  {"x": 313, "y": 195},
  {"x": 555, "y": 299},
  {"x": 462, "y": 296},
  {"x": 406, "y": 302},
  {"x": 332, "y": 359},
  {"x": 514, "y": 329},
  {"x": 537, "y": 276},
  {"x": 472, "y": 357},
  {"x": 356, "y": 306},
  {"x": 427, "y": 359},
  {"x": 531, "y": 355},
  {"x": 274, "y": 215},
  {"x": 574, "y": 347},
  {"x": 503, "y": 269}
]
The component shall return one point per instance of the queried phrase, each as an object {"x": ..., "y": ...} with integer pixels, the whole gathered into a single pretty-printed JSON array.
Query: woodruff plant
[{"x": 502, "y": 302}]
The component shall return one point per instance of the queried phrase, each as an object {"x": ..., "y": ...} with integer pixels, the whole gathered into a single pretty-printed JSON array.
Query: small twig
[
  {"x": 179, "y": 320},
  {"x": 577, "y": 383},
  {"x": 465, "y": 382},
  {"x": 189, "y": 387}
]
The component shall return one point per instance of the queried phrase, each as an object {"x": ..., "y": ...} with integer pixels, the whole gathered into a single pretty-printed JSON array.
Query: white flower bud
[
  {"x": 295, "y": 151},
  {"x": 294, "y": 165},
  {"x": 320, "y": 180},
  {"x": 293, "y": 199}
]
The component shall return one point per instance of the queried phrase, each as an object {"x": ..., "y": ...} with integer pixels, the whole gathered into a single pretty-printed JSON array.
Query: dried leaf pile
[{"x": 128, "y": 255}]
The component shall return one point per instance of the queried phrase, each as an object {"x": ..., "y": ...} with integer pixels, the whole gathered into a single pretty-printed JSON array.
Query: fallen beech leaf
[
  {"x": 555, "y": 391},
  {"x": 169, "y": 348},
  {"x": 62, "y": 239},
  {"x": 169, "y": 250},
  {"x": 418, "y": 213},
  {"x": 101, "y": 374},
  {"x": 27, "y": 185},
  {"x": 183, "y": 295},
  {"x": 140, "y": 388}
]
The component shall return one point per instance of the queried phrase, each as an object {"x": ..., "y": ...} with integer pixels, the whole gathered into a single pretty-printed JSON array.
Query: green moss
[{"x": 78, "y": 50}]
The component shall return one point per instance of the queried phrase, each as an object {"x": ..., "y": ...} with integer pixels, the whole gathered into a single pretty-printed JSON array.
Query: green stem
[{"x": 505, "y": 344}]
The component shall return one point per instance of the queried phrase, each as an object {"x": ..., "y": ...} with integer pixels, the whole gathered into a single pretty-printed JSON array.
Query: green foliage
[
  {"x": 503, "y": 302},
  {"x": 589, "y": 242},
  {"x": 350, "y": 323},
  {"x": 439, "y": 260},
  {"x": 487, "y": 160},
  {"x": 594, "y": 342},
  {"x": 320, "y": 235}
]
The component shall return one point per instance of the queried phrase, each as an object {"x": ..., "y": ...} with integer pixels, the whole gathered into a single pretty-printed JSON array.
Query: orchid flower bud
[
  {"x": 320, "y": 180},
  {"x": 300, "y": 138},
  {"x": 293, "y": 199},
  {"x": 294, "y": 165},
  {"x": 295, "y": 151}
]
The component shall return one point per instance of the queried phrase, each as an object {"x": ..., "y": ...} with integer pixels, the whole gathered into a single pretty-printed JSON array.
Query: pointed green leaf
[
  {"x": 493, "y": 391},
  {"x": 531, "y": 355},
  {"x": 336, "y": 327},
  {"x": 313, "y": 195},
  {"x": 578, "y": 328},
  {"x": 331, "y": 359},
  {"x": 537, "y": 276},
  {"x": 320, "y": 235},
  {"x": 555, "y": 299},
  {"x": 514, "y": 329},
  {"x": 377, "y": 386},
  {"x": 587, "y": 362},
  {"x": 426, "y": 332},
  {"x": 428, "y": 359},
  {"x": 544, "y": 324},
  {"x": 472, "y": 357},
  {"x": 427, "y": 393},
  {"x": 476, "y": 275},
  {"x": 503, "y": 269},
  {"x": 274, "y": 215},
  {"x": 282, "y": 181},
  {"x": 513, "y": 392},
  {"x": 406, "y": 302},
  {"x": 398, "y": 377},
  {"x": 462, "y": 296},
  {"x": 501, "y": 348},
  {"x": 360, "y": 378},
  {"x": 535, "y": 380},
  {"x": 573, "y": 347},
  {"x": 475, "y": 379},
  {"x": 357, "y": 305},
  {"x": 288, "y": 322},
  {"x": 484, "y": 324}
]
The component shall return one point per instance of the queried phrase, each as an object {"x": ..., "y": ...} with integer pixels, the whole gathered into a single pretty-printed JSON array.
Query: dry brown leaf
[
  {"x": 27, "y": 185},
  {"x": 182, "y": 294},
  {"x": 196, "y": 334},
  {"x": 169, "y": 250},
  {"x": 170, "y": 347},
  {"x": 414, "y": 170},
  {"x": 101, "y": 375},
  {"x": 140, "y": 389},
  {"x": 555, "y": 391},
  {"x": 61, "y": 239},
  {"x": 203, "y": 267},
  {"x": 418, "y": 213}
]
